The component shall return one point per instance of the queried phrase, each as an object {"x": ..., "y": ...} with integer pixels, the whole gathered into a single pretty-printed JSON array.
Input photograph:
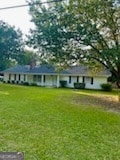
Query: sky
[{"x": 18, "y": 17}]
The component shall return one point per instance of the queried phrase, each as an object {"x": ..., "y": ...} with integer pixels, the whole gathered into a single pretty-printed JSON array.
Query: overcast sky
[{"x": 18, "y": 17}]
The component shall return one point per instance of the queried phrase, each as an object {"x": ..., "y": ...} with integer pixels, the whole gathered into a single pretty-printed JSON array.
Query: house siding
[
  {"x": 30, "y": 78},
  {"x": 6, "y": 77},
  {"x": 22, "y": 78},
  {"x": 46, "y": 76},
  {"x": 97, "y": 81},
  {"x": 48, "y": 80},
  {"x": 94, "y": 82},
  {"x": 71, "y": 83}
]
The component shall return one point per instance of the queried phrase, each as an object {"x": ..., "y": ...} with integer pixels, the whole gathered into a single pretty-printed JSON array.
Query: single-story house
[{"x": 46, "y": 75}]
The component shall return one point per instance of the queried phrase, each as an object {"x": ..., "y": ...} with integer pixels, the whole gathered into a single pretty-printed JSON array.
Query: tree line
[{"x": 12, "y": 47}]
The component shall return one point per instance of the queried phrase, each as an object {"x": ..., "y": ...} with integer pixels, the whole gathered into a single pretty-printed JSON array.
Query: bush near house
[
  {"x": 79, "y": 85},
  {"x": 13, "y": 81},
  {"x": 8, "y": 81},
  {"x": 106, "y": 87},
  {"x": 33, "y": 84},
  {"x": 26, "y": 83},
  {"x": 63, "y": 83}
]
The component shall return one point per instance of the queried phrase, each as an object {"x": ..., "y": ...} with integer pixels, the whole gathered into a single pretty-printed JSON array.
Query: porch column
[
  {"x": 26, "y": 78},
  {"x": 58, "y": 81},
  {"x": 42, "y": 80}
]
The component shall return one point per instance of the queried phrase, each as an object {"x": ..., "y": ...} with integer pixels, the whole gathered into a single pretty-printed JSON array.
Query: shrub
[
  {"x": 33, "y": 84},
  {"x": 17, "y": 82},
  {"x": 21, "y": 82},
  {"x": 106, "y": 87},
  {"x": 63, "y": 83},
  {"x": 13, "y": 81},
  {"x": 8, "y": 81},
  {"x": 26, "y": 83},
  {"x": 79, "y": 85}
]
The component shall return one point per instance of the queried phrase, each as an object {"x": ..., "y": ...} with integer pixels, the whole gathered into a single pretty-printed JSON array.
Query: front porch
[{"x": 44, "y": 80}]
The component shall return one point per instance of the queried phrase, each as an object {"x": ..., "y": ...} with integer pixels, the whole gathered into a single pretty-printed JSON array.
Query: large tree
[
  {"x": 27, "y": 57},
  {"x": 11, "y": 45},
  {"x": 79, "y": 30}
]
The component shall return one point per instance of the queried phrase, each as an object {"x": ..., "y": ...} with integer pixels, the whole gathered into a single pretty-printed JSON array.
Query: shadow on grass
[{"x": 108, "y": 102}]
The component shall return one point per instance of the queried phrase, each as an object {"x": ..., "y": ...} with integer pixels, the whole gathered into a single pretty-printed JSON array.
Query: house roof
[{"x": 48, "y": 69}]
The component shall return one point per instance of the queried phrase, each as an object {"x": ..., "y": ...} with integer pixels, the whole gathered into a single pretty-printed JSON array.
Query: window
[
  {"x": 37, "y": 78},
  {"x": 83, "y": 80},
  {"x": 9, "y": 77},
  {"x": 19, "y": 77},
  {"x": 44, "y": 79},
  {"x": 15, "y": 77},
  {"x": 89, "y": 80},
  {"x": 69, "y": 79},
  {"x": 34, "y": 78},
  {"x": 77, "y": 79}
]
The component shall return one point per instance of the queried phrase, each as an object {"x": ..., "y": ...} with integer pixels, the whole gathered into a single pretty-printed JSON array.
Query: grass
[{"x": 58, "y": 124}]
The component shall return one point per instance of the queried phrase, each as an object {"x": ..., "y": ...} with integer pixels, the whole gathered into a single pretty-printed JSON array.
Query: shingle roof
[
  {"x": 83, "y": 70},
  {"x": 48, "y": 69},
  {"x": 17, "y": 69}
]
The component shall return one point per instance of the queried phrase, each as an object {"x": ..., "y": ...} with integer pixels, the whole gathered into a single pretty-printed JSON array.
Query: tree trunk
[
  {"x": 119, "y": 95},
  {"x": 118, "y": 84}
]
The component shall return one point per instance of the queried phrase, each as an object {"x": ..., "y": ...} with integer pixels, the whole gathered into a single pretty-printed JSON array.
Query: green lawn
[{"x": 59, "y": 124}]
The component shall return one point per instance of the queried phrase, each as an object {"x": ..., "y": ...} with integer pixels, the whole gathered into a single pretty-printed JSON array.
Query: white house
[{"x": 46, "y": 75}]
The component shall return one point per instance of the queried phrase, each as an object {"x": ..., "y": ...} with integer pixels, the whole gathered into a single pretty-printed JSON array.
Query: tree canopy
[
  {"x": 27, "y": 57},
  {"x": 11, "y": 45},
  {"x": 79, "y": 31}
]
